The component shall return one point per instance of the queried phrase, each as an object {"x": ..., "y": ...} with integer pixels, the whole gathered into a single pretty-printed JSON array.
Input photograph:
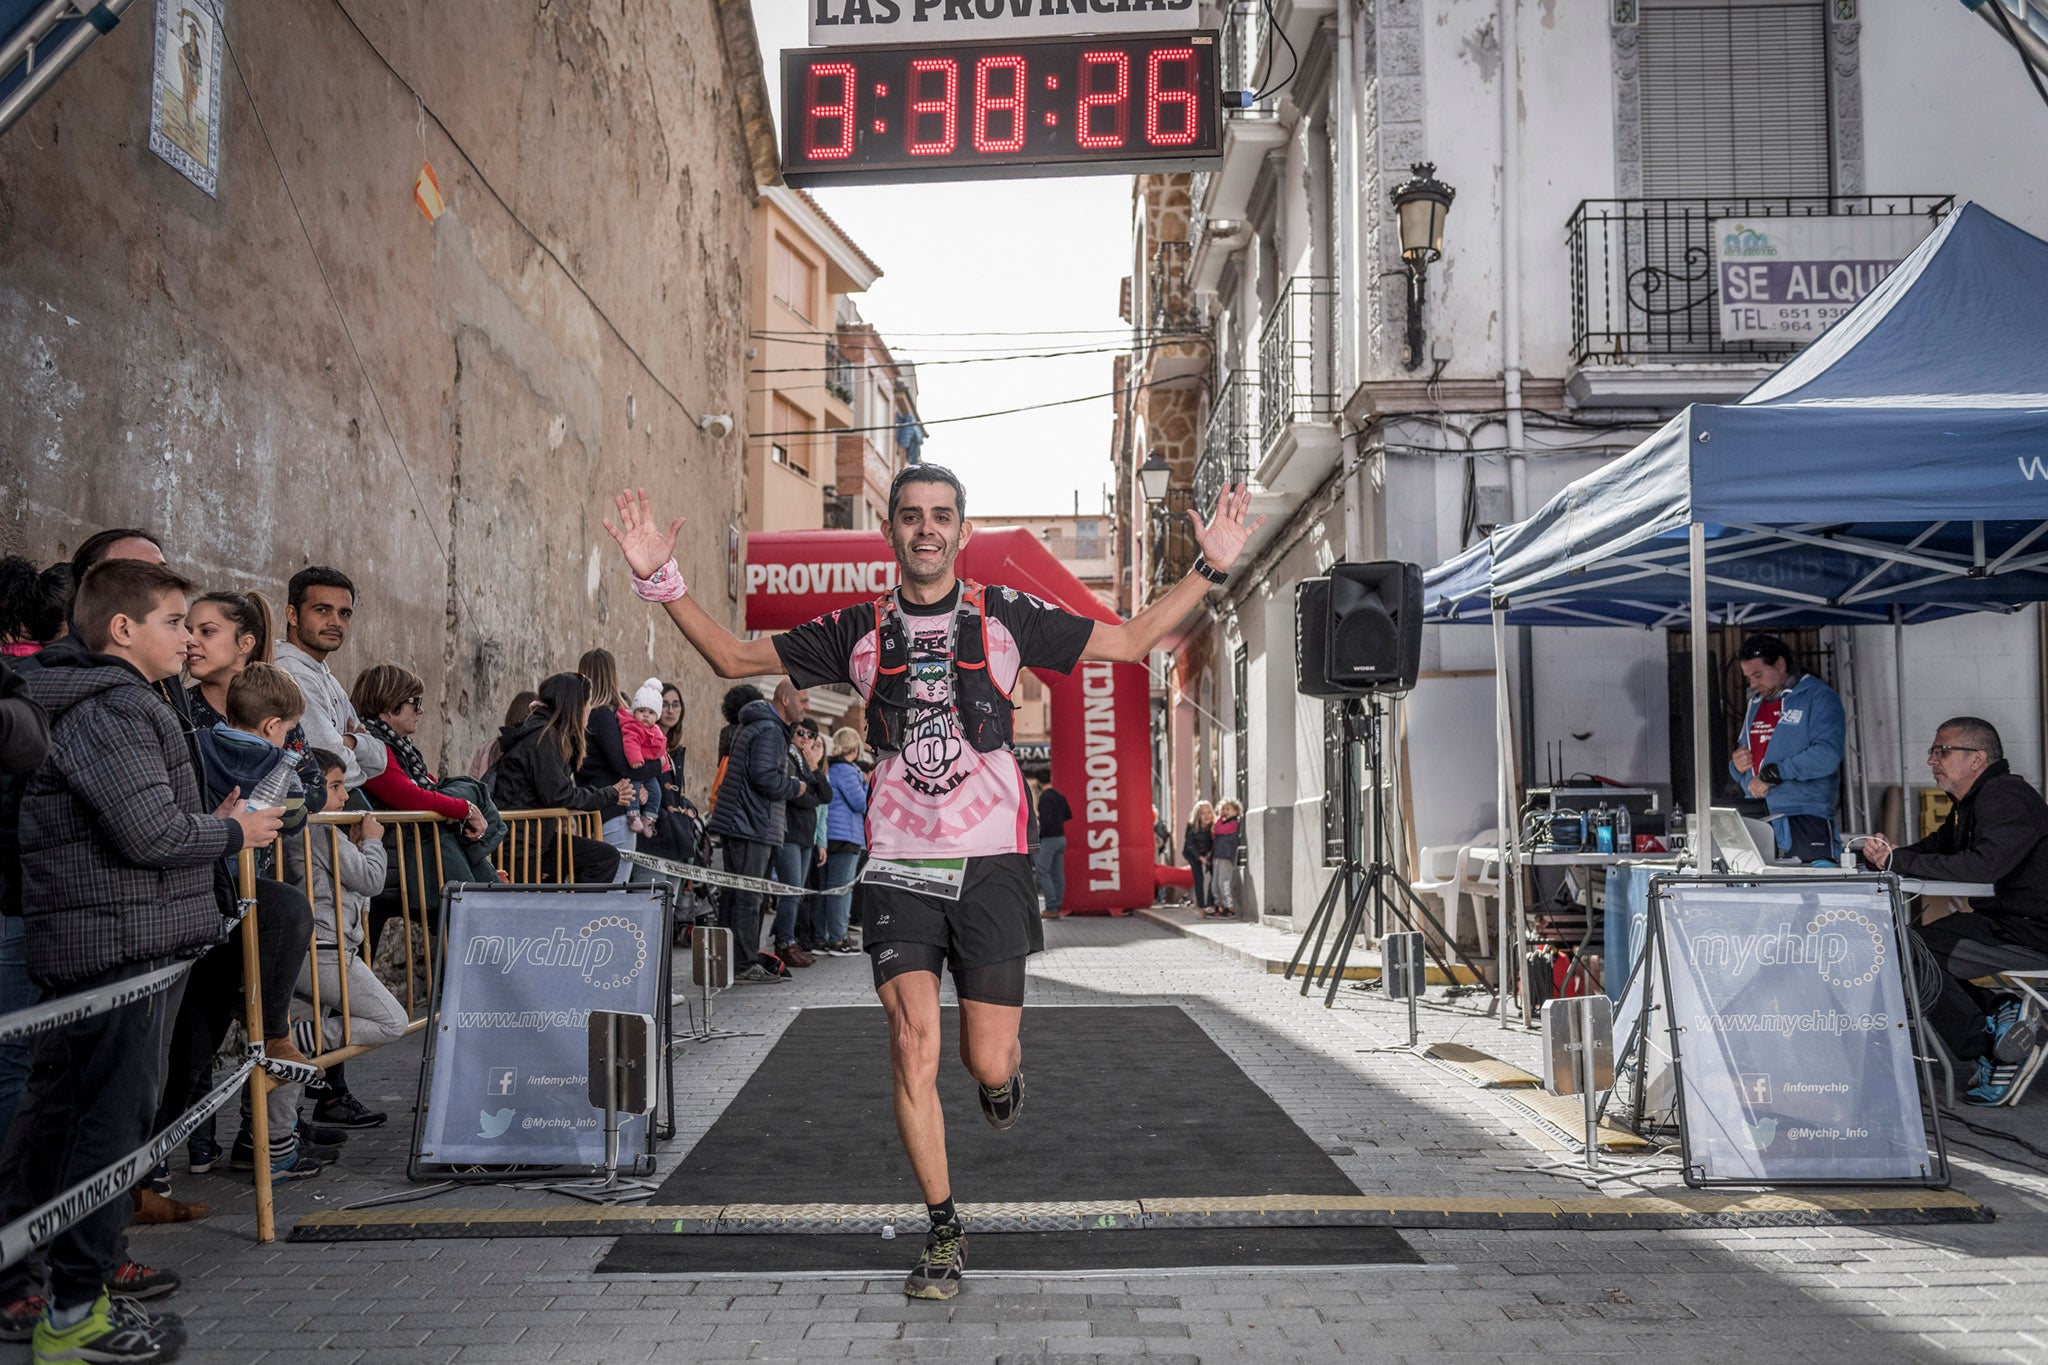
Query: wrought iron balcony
[
  {"x": 1230, "y": 445},
  {"x": 838, "y": 373},
  {"x": 1643, "y": 285},
  {"x": 1295, "y": 372},
  {"x": 1172, "y": 542},
  {"x": 1171, "y": 291}
]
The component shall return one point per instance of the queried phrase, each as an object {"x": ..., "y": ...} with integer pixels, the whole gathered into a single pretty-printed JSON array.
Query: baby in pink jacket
[{"x": 647, "y": 751}]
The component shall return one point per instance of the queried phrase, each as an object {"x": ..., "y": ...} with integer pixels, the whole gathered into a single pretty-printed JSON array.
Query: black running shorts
[{"x": 995, "y": 921}]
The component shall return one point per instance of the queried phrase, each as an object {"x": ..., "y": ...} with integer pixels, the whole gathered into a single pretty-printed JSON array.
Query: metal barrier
[
  {"x": 523, "y": 855},
  {"x": 408, "y": 827}
]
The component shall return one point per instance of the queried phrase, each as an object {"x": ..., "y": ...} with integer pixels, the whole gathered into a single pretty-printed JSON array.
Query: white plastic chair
[
  {"x": 1478, "y": 881},
  {"x": 1438, "y": 873}
]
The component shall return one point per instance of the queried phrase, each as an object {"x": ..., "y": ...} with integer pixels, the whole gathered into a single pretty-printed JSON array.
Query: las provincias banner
[
  {"x": 848, "y": 23},
  {"x": 1101, "y": 718}
]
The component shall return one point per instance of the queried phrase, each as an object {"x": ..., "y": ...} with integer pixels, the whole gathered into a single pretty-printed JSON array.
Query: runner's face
[{"x": 927, "y": 532}]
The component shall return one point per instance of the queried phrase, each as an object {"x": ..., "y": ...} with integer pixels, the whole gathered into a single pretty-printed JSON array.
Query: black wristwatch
[
  {"x": 1770, "y": 775},
  {"x": 1210, "y": 571}
]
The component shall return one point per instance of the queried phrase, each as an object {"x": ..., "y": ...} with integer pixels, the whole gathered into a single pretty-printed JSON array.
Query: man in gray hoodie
[{"x": 320, "y": 606}]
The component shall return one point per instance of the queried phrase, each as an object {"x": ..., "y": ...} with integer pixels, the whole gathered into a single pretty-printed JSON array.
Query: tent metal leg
[{"x": 1702, "y": 740}]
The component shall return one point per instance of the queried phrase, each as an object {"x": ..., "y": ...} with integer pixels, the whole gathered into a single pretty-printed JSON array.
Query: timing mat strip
[{"x": 1692, "y": 1209}]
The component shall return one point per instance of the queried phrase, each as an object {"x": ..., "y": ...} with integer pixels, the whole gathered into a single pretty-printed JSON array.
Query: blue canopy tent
[
  {"x": 1896, "y": 470},
  {"x": 1900, "y": 462}
]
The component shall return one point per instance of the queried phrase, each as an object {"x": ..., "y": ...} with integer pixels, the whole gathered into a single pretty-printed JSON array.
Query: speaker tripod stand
[{"x": 1363, "y": 885}]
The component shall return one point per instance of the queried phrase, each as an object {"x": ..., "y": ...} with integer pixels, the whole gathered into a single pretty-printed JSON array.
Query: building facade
[
  {"x": 1591, "y": 146},
  {"x": 423, "y": 325},
  {"x": 806, "y": 388}
]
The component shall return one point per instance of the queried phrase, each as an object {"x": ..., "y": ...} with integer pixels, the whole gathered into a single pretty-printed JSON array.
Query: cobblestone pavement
[{"x": 1393, "y": 1122}]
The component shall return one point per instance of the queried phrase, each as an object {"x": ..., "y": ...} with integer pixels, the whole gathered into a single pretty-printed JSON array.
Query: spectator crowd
[{"x": 152, "y": 732}]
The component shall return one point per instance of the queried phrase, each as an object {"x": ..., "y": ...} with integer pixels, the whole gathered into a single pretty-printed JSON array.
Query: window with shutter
[{"x": 1734, "y": 99}]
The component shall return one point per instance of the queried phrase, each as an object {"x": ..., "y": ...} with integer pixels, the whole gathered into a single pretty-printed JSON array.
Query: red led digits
[
  {"x": 944, "y": 106},
  {"x": 1012, "y": 104},
  {"x": 1158, "y": 98},
  {"x": 1116, "y": 100},
  {"x": 819, "y": 112}
]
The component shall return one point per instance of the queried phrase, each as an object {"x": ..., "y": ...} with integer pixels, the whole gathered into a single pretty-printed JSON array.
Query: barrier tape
[
  {"x": 281, "y": 1071},
  {"x": 38, "y": 1226},
  {"x": 690, "y": 872},
  {"x": 56, "y": 1014}
]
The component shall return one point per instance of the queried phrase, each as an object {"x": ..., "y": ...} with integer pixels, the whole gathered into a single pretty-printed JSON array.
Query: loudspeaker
[
  {"x": 1311, "y": 623},
  {"x": 1374, "y": 638}
]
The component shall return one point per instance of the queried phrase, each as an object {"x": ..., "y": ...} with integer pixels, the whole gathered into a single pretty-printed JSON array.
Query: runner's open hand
[
  {"x": 646, "y": 546},
  {"x": 1222, "y": 540}
]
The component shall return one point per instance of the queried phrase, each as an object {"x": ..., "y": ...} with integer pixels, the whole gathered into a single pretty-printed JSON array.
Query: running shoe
[
  {"x": 18, "y": 1319},
  {"x": 202, "y": 1153},
  {"x": 134, "y": 1280},
  {"x": 1994, "y": 1082},
  {"x": 346, "y": 1111},
  {"x": 757, "y": 975},
  {"x": 1004, "y": 1103},
  {"x": 300, "y": 1165},
  {"x": 937, "y": 1272},
  {"x": 843, "y": 948},
  {"x": 111, "y": 1335},
  {"x": 127, "y": 1312},
  {"x": 2014, "y": 1032}
]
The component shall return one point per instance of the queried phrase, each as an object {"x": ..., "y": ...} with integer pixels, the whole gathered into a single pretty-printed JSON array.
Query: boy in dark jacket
[{"x": 117, "y": 850}]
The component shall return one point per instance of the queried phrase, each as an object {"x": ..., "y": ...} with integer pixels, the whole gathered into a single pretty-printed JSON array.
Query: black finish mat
[
  {"x": 1121, "y": 1102},
  {"x": 1049, "y": 1252}
]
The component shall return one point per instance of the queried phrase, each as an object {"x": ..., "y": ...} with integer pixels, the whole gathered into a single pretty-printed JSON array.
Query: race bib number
[{"x": 940, "y": 877}]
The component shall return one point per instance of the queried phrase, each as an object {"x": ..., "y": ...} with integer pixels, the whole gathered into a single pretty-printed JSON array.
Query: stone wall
[{"x": 307, "y": 370}]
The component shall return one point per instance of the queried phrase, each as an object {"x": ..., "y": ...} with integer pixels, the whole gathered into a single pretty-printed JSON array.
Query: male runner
[{"x": 950, "y": 826}]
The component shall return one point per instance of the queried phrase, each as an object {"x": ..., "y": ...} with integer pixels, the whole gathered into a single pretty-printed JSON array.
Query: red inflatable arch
[{"x": 1101, "y": 713}]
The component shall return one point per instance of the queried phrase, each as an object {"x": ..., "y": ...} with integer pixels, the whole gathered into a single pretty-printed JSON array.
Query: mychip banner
[
  {"x": 1793, "y": 1032},
  {"x": 510, "y": 1053}
]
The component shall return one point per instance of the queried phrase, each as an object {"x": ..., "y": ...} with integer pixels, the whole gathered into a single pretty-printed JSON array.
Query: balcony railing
[
  {"x": 1295, "y": 381},
  {"x": 838, "y": 373},
  {"x": 1173, "y": 539},
  {"x": 1171, "y": 290},
  {"x": 1642, "y": 270},
  {"x": 1230, "y": 445}
]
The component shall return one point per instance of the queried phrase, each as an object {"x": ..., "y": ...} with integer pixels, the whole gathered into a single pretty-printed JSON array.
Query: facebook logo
[
  {"x": 1756, "y": 1087},
  {"x": 503, "y": 1080}
]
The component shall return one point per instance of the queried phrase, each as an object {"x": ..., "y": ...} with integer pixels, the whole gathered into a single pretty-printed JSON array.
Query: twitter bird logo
[{"x": 494, "y": 1125}]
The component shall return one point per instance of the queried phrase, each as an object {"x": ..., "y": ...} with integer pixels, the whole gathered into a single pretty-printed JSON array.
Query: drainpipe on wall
[
  {"x": 1349, "y": 368},
  {"x": 1511, "y": 258}
]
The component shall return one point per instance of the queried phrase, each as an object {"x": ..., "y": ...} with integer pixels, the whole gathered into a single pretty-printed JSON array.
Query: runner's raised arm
[
  {"x": 650, "y": 554},
  {"x": 1221, "y": 542}
]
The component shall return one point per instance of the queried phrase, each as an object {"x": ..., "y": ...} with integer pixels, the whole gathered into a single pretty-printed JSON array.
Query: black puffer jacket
[
  {"x": 1997, "y": 833},
  {"x": 753, "y": 799},
  {"x": 118, "y": 849},
  {"x": 532, "y": 775}
]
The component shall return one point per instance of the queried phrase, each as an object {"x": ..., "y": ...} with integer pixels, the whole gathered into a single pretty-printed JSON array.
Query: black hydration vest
[{"x": 982, "y": 707}]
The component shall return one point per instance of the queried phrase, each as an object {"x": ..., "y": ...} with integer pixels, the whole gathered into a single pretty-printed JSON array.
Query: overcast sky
[{"x": 993, "y": 259}]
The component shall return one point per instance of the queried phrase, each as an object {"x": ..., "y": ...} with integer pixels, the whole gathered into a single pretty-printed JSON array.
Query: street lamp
[
  {"x": 1421, "y": 204},
  {"x": 1153, "y": 476}
]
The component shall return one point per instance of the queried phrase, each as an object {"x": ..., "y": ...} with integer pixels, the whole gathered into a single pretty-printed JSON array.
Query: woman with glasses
[{"x": 1790, "y": 757}]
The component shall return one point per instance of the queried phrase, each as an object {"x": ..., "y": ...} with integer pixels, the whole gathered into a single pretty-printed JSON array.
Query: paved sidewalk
[{"x": 1393, "y": 1122}]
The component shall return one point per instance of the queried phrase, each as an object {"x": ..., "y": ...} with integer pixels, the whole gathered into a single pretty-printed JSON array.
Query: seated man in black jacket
[{"x": 1997, "y": 833}]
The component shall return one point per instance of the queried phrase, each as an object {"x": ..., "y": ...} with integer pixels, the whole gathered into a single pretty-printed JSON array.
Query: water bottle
[
  {"x": 272, "y": 790},
  {"x": 1603, "y": 830},
  {"x": 1624, "y": 832}
]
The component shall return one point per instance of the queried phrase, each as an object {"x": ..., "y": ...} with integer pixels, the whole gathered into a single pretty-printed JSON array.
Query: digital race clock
[{"x": 1060, "y": 106}]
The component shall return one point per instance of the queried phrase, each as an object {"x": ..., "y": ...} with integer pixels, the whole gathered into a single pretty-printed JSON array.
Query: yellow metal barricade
[
  {"x": 414, "y": 828},
  {"x": 525, "y": 855}
]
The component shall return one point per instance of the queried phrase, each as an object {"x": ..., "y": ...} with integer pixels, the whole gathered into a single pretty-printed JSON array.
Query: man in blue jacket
[{"x": 1791, "y": 754}]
